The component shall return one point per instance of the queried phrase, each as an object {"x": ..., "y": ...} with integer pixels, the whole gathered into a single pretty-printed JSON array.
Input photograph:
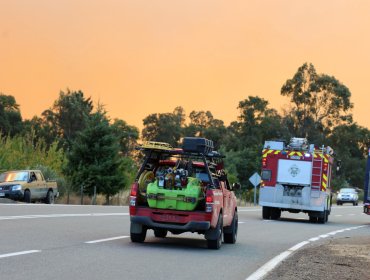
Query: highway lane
[{"x": 91, "y": 242}]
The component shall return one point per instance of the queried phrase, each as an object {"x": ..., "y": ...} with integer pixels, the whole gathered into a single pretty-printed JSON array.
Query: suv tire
[
  {"x": 138, "y": 237},
  {"x": 50, "y": 197},
  {"x": 27, "y": 196}
]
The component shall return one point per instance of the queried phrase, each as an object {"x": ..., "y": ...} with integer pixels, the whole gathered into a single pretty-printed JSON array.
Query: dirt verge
[{"x": 336, "y": 258}]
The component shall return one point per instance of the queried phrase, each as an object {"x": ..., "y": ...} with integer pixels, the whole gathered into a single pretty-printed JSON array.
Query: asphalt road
[{"x": 92, "y": 242}]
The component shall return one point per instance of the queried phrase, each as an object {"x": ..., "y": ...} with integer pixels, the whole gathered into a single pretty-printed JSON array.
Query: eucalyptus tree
[{"x": 319, "y": 102}]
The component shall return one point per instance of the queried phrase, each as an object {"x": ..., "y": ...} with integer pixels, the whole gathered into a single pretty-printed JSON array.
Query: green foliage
[
  {"x": 65, "y": 119},
  {"x": 127, "y": 136},
  {"x": 203, "y": 124},
  {"x": 94, "y": 159},
  {"x": 21, "y": 153},
  {"x": 320, "y": 102},
  {"x": 10, "y": 116},
  {"x": 164, "y": 127},
  {"x": 350, "y": 145}
]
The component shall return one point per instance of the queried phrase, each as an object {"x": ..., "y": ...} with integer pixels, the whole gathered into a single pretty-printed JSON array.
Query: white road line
[
  {"x": 106, "y": 239},
  {"x": 61, "y": 216},
  {"x": 338, "y": 215},
  {"x": 270, "y": 265},
  {"x": 19, "y": 253}
]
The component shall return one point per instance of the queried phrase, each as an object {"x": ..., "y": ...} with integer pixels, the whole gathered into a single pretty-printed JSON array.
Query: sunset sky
[{"x": 140, "y": 57}]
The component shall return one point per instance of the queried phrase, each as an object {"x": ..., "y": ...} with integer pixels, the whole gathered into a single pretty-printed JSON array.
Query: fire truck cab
[{"x": 296, "y": 178}]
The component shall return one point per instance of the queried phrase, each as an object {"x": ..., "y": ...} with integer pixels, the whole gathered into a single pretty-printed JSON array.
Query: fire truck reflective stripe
[
  {"x": 277, "y": 152},
  {"x": 292, "y": 153},
  {"x": 299, "y": 153},
  {"x": 314, "y": 155},
  {"x": 325, "y": 177},
  {"x": 266, "y": 153},
  {"x": 323, "y": 186},
  {"x": 325, "y": 159}
]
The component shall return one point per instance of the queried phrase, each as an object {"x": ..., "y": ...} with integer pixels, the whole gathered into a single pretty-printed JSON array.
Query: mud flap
[
  {"x": 136, "y": 228},
  {"x": 213, "y": 233}
]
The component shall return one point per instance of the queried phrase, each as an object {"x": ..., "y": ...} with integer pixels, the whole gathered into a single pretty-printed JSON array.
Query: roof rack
[{"x": 156, "y": 145}]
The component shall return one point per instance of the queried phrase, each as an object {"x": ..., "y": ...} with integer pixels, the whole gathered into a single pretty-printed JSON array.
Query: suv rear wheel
[{"x": 138, "y": 236}]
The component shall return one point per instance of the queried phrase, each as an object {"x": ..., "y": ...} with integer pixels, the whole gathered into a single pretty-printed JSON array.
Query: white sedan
[{"x": 347, "y": 195}]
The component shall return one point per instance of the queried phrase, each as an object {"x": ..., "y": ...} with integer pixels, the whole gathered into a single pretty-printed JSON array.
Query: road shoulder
[{"x": 334, "y": 258}]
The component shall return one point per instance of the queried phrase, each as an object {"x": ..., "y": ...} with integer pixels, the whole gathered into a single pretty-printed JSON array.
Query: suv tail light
[
  {"x": 133, "y": 197},
  {"x": 209, "y": 201}
]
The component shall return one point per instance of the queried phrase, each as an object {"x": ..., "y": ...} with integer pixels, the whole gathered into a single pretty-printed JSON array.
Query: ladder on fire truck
[{"x": 317, "y": 166}]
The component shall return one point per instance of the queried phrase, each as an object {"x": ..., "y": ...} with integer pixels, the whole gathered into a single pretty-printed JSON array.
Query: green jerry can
[{"x": 185, "y": 199}]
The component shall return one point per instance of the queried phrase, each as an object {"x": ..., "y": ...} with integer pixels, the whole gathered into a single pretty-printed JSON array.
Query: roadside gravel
[{"x": 345, "y": 258}]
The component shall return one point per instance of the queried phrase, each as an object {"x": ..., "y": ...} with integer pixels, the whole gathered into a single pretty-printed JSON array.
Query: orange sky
[{"x": 140, "y": 57}]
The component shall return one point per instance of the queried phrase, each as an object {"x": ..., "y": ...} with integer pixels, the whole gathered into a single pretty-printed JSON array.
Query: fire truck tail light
[{"x": 264, "y": 162}]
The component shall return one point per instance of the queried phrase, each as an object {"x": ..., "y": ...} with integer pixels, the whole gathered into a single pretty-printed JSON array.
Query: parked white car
[{"x": 347, "y": 195}]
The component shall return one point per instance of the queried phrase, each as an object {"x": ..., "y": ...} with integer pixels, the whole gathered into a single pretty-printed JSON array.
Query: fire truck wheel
[
  {"x": 216, "y": 243},
  {"x": 162, "y": 233},
  {"x": 313, "y": 219},
  {"x": 275, "y": 213},
  {"x": 266, "y": 212},
  {"x": 231, "y": 232},
  {"x": 326, "y": 216},
  {"x": 322, "y": 219}
]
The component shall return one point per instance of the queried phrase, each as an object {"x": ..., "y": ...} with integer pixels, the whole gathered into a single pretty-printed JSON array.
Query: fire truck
[
  {"x": 296, "y": 178},
  {"x": 367, "y": 187}
]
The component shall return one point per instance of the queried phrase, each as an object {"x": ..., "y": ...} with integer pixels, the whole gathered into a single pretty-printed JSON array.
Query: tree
[
  {"x": 350, "y": 145},
  {"x": 94, "y": 159},
  {"x": 127, "y": 136},
  {"x": 244, "y": 139},
  {"x": 320, "y": 102},
  {"x": 10, "y": 116},
  {"x": 203, "y": 124},
  {"x": 68, "y": 116},
  {"x": 164, "y": 127},
  {"x": 258, "y": 122}
]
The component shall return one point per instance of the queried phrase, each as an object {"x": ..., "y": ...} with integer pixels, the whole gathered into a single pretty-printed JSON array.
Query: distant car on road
[
  {"x": 347, "y": 195},
  {"x": 27, "y": 186}
]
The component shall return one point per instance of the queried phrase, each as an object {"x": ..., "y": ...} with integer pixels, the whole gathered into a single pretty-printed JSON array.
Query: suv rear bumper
[{"x": 192, "y": 226}]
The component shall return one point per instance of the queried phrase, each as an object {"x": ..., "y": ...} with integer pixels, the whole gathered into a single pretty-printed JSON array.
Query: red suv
[{"x": 183, "y": 190}]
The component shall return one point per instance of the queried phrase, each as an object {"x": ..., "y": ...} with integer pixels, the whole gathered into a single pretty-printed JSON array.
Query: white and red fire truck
[{"x": 296, "y": 178}]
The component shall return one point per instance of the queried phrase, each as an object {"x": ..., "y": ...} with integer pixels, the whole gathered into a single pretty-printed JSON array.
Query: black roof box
[{"x": 197, "y": 145}]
